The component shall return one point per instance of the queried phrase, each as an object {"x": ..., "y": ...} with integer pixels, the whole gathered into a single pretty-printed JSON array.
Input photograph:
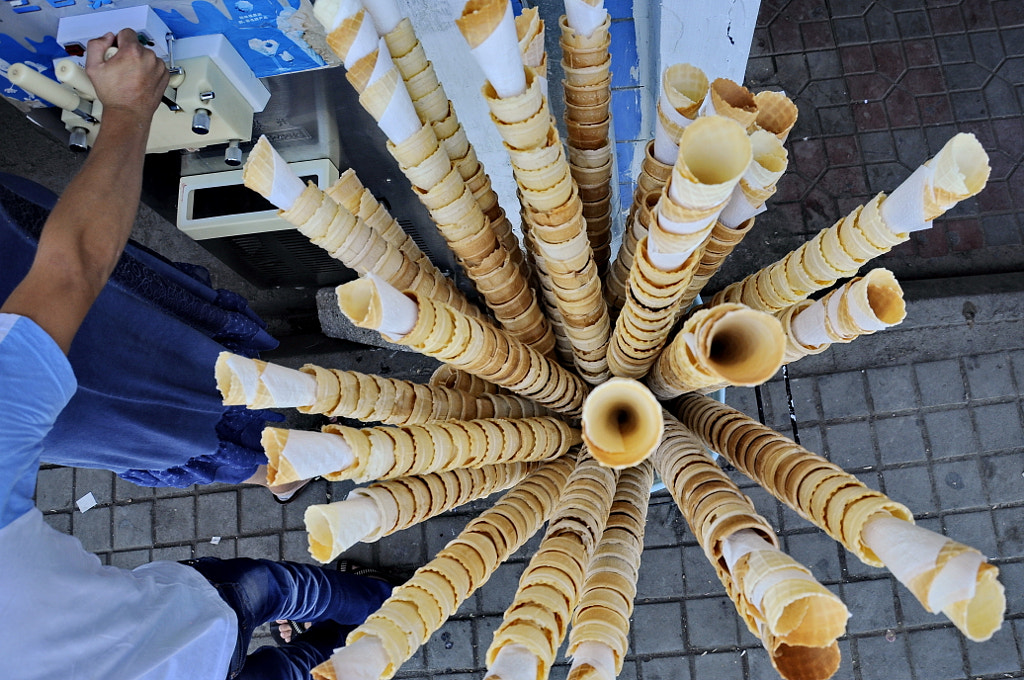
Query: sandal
[{"x": 356, "y": 569}]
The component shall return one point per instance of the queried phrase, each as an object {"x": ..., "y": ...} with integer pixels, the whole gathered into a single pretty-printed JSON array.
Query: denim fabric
[
  {"x": 262, "y": 590},
  {"x": 294, "y": 660}
]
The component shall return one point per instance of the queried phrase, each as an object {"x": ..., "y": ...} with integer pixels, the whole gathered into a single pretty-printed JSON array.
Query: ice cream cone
[
  {"x": 776, "y": 113},
  {"x": 684, "y": 86},
  {"x": 733, "y": 101}
]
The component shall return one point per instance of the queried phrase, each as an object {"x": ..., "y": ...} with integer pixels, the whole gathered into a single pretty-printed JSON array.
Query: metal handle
[
  {"x": 79, "y": 140},
  {"x": 233, "y": 154},
  {"x": 201, "y": 121}
]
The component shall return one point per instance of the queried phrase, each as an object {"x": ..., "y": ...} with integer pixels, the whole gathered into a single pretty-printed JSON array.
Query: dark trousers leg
[{"x": 294, "y": 660}]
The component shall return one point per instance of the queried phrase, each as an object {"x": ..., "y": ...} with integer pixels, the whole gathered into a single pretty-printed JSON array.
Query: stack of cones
[
  {"x": 344, "y": 235},
  {"x": 439, "y": 184},
  {"x": 683, "y": 90},
  {"x": 600, "y": 625},
  {"x": 757, "y": 185},
  {"x": 551, "y": 202},
  {"x": 958, "y": 171},
  {"x": 621, "y": 423},
  {"x": 446, "y": 376},
  {"x": 373, "y": 453},
  {"x": 536, "y": 622},
  {"x": 530, "y": 33},
  {"x": 776, "y": 113},
  {"x": 383, "y": 508},
  {"x": 796, "y": 618},
  {"x": 418, "y": 607},
  {"x": 864, "y": 305},
  {"x": 469, "y": 345},
  {"x": 714, "y": 153},
  {"x": 586, "y": 62}
]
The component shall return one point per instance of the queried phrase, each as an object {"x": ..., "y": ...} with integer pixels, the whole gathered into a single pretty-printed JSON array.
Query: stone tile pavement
[{"x": 929, "y": 412}]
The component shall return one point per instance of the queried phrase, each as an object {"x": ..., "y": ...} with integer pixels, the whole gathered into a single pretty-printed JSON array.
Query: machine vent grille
[{"x": 279, "y": 258}]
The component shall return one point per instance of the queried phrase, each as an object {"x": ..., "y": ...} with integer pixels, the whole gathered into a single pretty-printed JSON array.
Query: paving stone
[
  {"x": 810, "y": 438},
  {"x": 666, "y": 527},
  {"x": 451, "y": 647},
  {"x": 98, "y": 482},
  {"x": 712, "y": 623},
  {"x": 174, "y": 519},
  {"x": 224, "y": 550},
  {"x": 438, "y": 532},
  {"x": 996, "y": 655},
  {"x": 501, "y": 587},
  {"x": 911, "y": 486},
  {"x": 61, "y": 521},
  {"x": 842, "y": 395},
  {"x": 314, "y": 495},
  {"x": 850, "y": 445},
  {"x": 661, "y": 572},
  {"x": 870, "y": 604},
  {"x": 913, "y": 612},
  {"x": 959, "y": 484},
  {"x": 1010, "y": 531},
  {"x": 1004, "y": 477},
  {"x": 92, "y": 528},
  {"x": 816, "y": 551},
  {"x": 133, "y": 525},
  {"x": 1017, "y": 360},
  {"x": 217, "y": 514},
  {"x": 484, "y": 627},
  {"x": 999, "y": 426},
  {"x": 173, "y": 553},
  {"x": 883, "y": 660},
  {"x": 701, "y": 578},
  {"x": 295, "y": 547},
  {"x": 260, "y": 547},
  {"x": 935, "y": 654},
  {"x": 975, "y": 529},
  {"x": 892, "y": 389},
  {"x": 124, "y": 490},
  {"x": 940, "y": 383},
  {"x": 258, "y": 510},
  {"x": 665, "y": 668},
  {"x": 805, "y": 402},
  {"x": 899, "y": 440},
  {"x": 1011, "y": 575},
  {"x": 54, "y": 489},
  {"x": 989, "y": 375},
  {"x": 950, "y": 433},
  {"x": 129, "y": 559},
  {"x": 658, "y": 628},
  {"x": 721, "y": 666},
  {"x": 742, "y": 399}
]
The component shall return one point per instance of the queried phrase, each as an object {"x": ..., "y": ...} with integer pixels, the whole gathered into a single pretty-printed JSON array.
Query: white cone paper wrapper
[
  {"x": 365, "y": 42},
  {"x": 903, "y": 210},
  {"x": 286, "y": 186},
  {"x": 808, "y": 327},
  {"x": 364, "y": 659},
  {"x": 347, "y": 522},
  {"x": 313, "y": 453},
  {"x": 583, "y": 17},
  {"x": 400, "y": 313},
  {"x": 670, "y": 112},
  {"x": 773, "y": 579},
  {"x": 513, "y": 662},
  {"x": 666, "y": 262},
  {"x": 383, "y": 63},
  {"x": 287, "y": 386},
  {"x": 739, "y": 209},
  {"x": 665, "y": 150},
  {"x": 867, "y": 321},
  {"x": 247, "y": 374},
  {"x": 741, "y": 543},
  {"x": 500, "y": 59},
  {"x": 596, "y": 654},
  {"x": 399, "y": 120},
  {"x": 707, "y": 107},
  {"x": 385, "y": 13},
  {"x": 331, "y": 13},
  {"x": 909, "y": 550}
]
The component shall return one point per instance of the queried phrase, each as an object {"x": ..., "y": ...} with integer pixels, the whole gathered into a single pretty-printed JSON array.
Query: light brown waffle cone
[
  {"x": 714, "y": 152},
  {"x": 442, "y": 193},
  {"x": 412, "y": 62},
  {"x": 429, "y": 172},
  {"x": 359, "y": 74},
  {"x": 552, "y": 197},
  {"x": 590, "y": 158},
  {"x": 479, "y": 19},
  {"x": 591, "y": 176},
  {"x": 588, "y": 135},
  {"x": 961, "y": 170},
  {"x": 433, "y": 105},
  {"x": 526, "y": 134},
  {"x": 588, "y": 75},
  {"x": 416, "y": 149},
  {"x": 685, "y": 86},
  {"x": 622, "y": 423},
  {"x": 585, "y": 57},
  {"x": 588, "y": 95},
  {"x": 776, "y": 113},
  {"x": 542, "y": 178},
  {"x": 422, "y": 83},
  {"x": 537, "y": 157},
  {"x": 575, "y": 40},
  {"x": 654, "y": 168},
  {"x": 587, "y": 114},
  {"x": 519, "y": 108},
  {"x": 401, "y": 39},
  {"x": 340, "y": 40},
  {"x": 733, "y": 101}
]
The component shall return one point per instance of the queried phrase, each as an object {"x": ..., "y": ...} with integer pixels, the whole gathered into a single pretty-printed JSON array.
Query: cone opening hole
[
  {"x": 886, "y": 303},
  {"x": 972, "y": 164},
  {"x": 746, "y": 348},
  {"x": 709, "y": 158}
]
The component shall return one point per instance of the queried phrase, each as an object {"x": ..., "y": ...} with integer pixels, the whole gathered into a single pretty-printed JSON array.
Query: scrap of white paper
[
  {"x": 215, "y": 540},
  {"x": 86, "y": 502}
]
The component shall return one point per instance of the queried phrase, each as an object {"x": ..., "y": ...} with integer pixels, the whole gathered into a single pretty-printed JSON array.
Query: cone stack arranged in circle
[
  {"x": 864, "y": 305},
  {"x": 796, "y": 618},
  {"x": 359, "y": 396},
  {"x": 380, "y": 509},
  {"x": 621, "y": 423},
  {"x": 856, "y": 516},
  {"x": 551, "y": 201},
  {"x": 959, "y": 171},
  {"x": 599, "y": 638},
  {"x": 725, "y": 345},
  {"x": 418, "y": 607},
  {"x": 536, "y": 622}
]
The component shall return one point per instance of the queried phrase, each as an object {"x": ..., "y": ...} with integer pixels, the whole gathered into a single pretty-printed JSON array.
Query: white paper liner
[
  {"x": 866, "y": 320},
  {"x": 665, "y": 261},
  {"x": 288, "y": 387},
  {"x": 596, "y": 654},
  {"x": 665, "y": 150},
  {"x": 314, "y": 453},
  {"x": 903, "y": 210},
  {"x": 808, "y": 327},
  {"x": 385, "y": 13},
  {"x": 739, "y": 209},
  {"x": 513, "y": 662},
  {"x": 331, "y": 13},
  {"x": 400, "y": 120},
  {"x": 773, "y": 579},
  {"x": 365, "y": 42},
  {"x": 248, "y": 376},
  {"x": 500, "y": 59},
  {"x": 347, "y": 522},
  {"x": 686, "y": 227},
  {"x": 707, "y": 107},
  {"x": 670, "y": 112},
  {"x": 364, "y": 659},
  {"x": 906, "y": 549},
  {"x": 957, "y": 581},
  {"x": 383, "y": 63},
  {"x": 286, "y": 186},
  {"x": 740, "y": 543},
  {"x": 584, "y": 18},
  {"x": 400, "y": 313}
]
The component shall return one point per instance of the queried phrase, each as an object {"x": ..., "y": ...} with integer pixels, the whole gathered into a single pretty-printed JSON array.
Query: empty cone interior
[
  {"x": 622, "y": 422},
  {"x": 746, "y": 347},
  {"x": 885, "y": 297},
  {"x": 806, "y": 663}
]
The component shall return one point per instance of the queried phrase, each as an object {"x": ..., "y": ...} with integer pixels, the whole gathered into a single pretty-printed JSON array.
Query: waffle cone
[
  {"x": 961, "y": 170},
  {"x": 442, "y": 193},
  {"x": 431, "y": 171},
  {"x": 416, "y": 149},
  {"x": 401, "y": 39},
  {"x": 537, "y": 157},
  {"x": 776, "y": 113},
  {"x": 591, "y": 158},
  {"x": 574, "y": 39},
  {"x": 588, "y": 95},
  {"x": 552, "y": 197},
  {"x": 685, "y": 86},
  {"x": 585, "y": 57},
  {"x": 804, "y": 663},
  {"x": 714, "y": 152},
  {"x": 588, "y": 75},
  {"x": 479, "y": 19},
  {"x": 422, "y": 83},
  {"x": 432, "y": 106},
  {"x": 588, "y": 115},
  {"x": 588, "y": 135},
  {"x": 412, "y": 62},
  {"x": 526, "y": 134},
  {"x": 733, "y": 101},
  {"x": 622, "y": 423},
  {"x": 359, "y": 74},
  {"x": 341, "y": 39}
]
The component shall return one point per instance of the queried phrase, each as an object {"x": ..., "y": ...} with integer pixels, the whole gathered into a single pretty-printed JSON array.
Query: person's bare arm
[{"x": 88, "y": 228}]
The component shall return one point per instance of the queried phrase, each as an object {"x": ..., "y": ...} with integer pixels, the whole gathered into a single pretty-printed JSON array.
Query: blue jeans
[{"x": 263, "y": 590}]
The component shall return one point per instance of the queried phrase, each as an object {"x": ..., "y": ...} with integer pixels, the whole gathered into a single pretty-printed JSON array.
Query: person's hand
[{"x": 131, "y": 81}]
